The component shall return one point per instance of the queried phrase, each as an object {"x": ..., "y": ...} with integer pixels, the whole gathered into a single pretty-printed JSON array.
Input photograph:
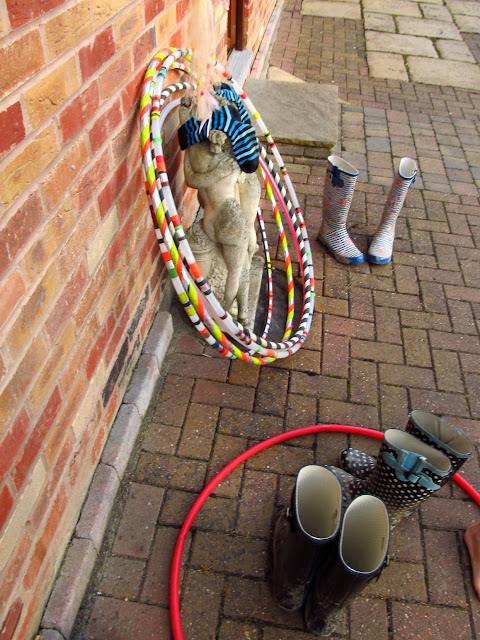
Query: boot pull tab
[
  {"x": 409, "y": 467},
  {"x": 336, "y": 177}
]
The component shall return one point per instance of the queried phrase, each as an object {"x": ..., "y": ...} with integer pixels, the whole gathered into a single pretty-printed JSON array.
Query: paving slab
[
  {"x": 468, "y": 24},
  {"x": 392, "y": 7},
  {"x": 436, "y": 12},
  {"x": 464, "y": 8},
  {"x": 454, "y": 50},
  {"x": 326, "y": 9},
  {"x": 428, "y": 28},
  {"x": 309, "y": 117},
  {"x": 398, "y": 43},
  {"x": 379, "y": 22},
  {"x": 387, "y": 65},
  {"x": 444, "y": 72}
]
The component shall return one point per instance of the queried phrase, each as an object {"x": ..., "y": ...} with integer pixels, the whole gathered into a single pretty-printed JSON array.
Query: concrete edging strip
[{"x": 72, "y": 579}]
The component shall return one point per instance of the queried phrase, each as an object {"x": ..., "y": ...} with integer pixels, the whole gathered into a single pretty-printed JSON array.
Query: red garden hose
[{"x": 215, "y": 481}]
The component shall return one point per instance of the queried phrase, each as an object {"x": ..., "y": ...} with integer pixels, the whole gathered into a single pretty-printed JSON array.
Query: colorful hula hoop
[{"x": 215, "y": 324}]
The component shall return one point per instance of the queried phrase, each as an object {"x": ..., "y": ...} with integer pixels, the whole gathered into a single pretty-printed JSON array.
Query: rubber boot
[
  {"x": 380, "y": 250},
  {"x": 305, "y": 534},
  {"x": 407, "y": 471},
  {"x": 426, "y": 427},
  {"x": 361, "y": 556},
  {"x": 340, "y": 181}
]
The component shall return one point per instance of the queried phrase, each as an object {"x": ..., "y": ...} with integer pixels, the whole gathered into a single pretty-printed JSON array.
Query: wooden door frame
[{"x": 236, "y": 32}]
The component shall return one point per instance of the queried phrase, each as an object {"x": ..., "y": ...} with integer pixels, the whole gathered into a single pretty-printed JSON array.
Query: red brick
[
  {"x": 87, "y": 301},
  {"x": 120, "y": 242},
  {"x": 109, "y": 193},
  {"x": 19, "y": 228},
  {"x": 117, "y": 336},
  {"x": 90, "y": 182},
  {"x": 20, "y": 60},
  {"x": 11, "y": 621},
  {"x": 67, "y": 301},
  {"x": 128, "y": 135},
  {"x": 6, "y": 503},
  {"x": 33, "y": 312},
  {"x": 65, "y": 173},
  {"x": 82, "y": 109},
  {"x": 12, "y": 442},
  {"x": 34, "y": 443},
  {"x": 92, "y": 57},
  {"x": 99, "y": 347},
  {"x": 105, "y": 125},
  {"x": 115, "y": 74},
  {"x": 20, "y": 12},
  {"x": 182, "y": 9},
  {"x": 153, "y": 8},
  {"x": 41, "y": 548},
  {"x": 11, "y": 397},
  {"x": 134, "y": 187},
  {"x": 143, "y": 46},
  {"x": 78, "y": 240},
  {"x": 132, "y": 91},
  {"x": 12, "y": 129},
  {"x": 61, "y": 435},
  {"x": 11, "y": 292}
]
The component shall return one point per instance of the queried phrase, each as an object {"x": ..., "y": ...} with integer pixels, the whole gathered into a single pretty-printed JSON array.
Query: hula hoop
[
  {"x": 203, "y": 309},
  {"x": 221, "y": 475}
]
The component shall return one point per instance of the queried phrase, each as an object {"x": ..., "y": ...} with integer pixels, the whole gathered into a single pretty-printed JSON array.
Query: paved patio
[{"x": 384, "y": 340}]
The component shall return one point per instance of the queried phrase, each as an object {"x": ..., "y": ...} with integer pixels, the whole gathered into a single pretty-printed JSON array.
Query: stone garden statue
[{"x": 229, "y": 197}]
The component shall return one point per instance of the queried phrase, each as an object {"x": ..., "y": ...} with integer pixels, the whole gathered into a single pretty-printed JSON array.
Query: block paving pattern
[
  {"x": 384, "y": 340},
  {"x": 420, "y": 41}
]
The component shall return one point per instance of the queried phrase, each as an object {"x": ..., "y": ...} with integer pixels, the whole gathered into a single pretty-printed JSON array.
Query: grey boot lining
[
  {"x": 407, "y": 168},
  {"x": 406, "y": 441},
  {"x": 441, "y": 431},
  {"x": 318, "y": 500},
  {"x": 365, "y": 534},
  {"x": 343, "y": 165}
]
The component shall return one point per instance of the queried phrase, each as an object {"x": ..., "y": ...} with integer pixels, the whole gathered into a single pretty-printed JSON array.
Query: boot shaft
[
  {"x": 428, "y": 428},
  {"x": 380, "y": 250},
  {"x": 304, "y": 534},
  {"x": 340, "y": 180},
  {"x": 407, "y": 471},
  {"x": 437, "y": 433},
  {"x": 361, "y": 556}
]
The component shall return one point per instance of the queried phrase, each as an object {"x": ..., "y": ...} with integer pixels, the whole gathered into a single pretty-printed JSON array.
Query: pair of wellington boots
[
  {"x": 410, "y": 466},
  {"x": 324, "y": 555},
  {"x": 340, "y": 180}
]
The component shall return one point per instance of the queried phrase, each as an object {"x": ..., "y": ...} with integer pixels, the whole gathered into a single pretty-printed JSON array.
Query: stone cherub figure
[{"x": 229, "y": 197}]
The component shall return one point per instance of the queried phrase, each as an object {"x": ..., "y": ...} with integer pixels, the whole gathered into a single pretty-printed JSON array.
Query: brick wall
[
  {"x": 256, "y": 17},
  {"x": 80, "y": 274}
]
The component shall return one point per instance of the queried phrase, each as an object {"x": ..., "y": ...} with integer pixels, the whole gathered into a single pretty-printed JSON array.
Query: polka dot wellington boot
[
  {"x": 406, "y": 472},
  {"x": 305, "y": 535},
  {"x": 360, "y": 557},
  {"x": 381, "y": 248},
  {"x": 340, "y": 180},
  {"x": 427, "y": 427}
]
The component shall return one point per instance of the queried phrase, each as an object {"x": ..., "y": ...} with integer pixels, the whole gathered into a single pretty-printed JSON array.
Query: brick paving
[{"x": 384, "y": 340}]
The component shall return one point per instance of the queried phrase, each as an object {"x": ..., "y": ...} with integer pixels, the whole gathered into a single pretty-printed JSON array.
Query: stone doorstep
[
  {"x": 328, "y": 9},
  {"x": 74, "y": 574},
  {"x": 305, "y": 114}
]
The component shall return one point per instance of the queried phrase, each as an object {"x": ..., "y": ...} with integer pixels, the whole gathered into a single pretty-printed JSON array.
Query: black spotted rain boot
[
  {"x": 406, "y": 472},
  {"x": 360, "y": 556},
  {"x": 305, "y": 534},
  {"x": 425, "y": 426}
]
